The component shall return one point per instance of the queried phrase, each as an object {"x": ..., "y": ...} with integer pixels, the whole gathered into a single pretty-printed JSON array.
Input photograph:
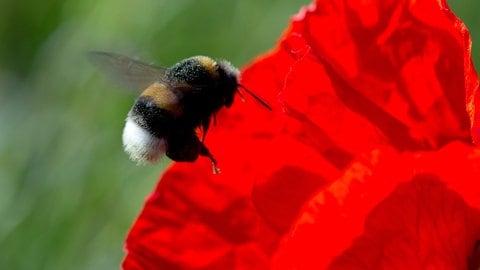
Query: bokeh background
[{"x": 68, "y": 193}]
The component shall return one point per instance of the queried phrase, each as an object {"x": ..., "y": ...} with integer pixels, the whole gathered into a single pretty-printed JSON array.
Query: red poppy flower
[{"x": 366, "y": 162}]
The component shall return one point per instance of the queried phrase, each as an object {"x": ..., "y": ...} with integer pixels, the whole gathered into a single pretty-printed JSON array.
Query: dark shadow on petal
[
  {"x": 279, "y": 198},
  {"x": 397, "y": 132},
  {"x": 314, "y": 136},
  {"x": 422, "y": 225}
]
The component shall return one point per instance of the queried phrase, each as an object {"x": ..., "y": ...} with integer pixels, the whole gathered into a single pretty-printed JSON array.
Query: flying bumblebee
[{"x": 173, "y": 105}]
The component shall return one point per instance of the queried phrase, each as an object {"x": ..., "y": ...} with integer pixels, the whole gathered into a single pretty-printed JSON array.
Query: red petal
[
  {"x": 195, "y": 220},
  {"x": 383, "y": 70},
  {"x": 355, "y": 76},
  {"x": 348, "y": 77},
  {"x": 391, "y": 211}
]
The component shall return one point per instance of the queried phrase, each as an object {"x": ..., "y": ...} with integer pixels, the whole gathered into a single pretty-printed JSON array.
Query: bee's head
[
  {"x": 222, "y": 75},
  {"x": 229, "y": 79}
]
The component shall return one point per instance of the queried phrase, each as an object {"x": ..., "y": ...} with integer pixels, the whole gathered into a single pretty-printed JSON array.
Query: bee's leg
[
  {"x": 205, "y": 152},
  {"x": 183, "y": 145},
  {"x": 205, "y": 125}
]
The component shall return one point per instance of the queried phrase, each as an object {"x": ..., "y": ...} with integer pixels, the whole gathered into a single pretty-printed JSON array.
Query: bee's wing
[{"x": 127, "y": 72}]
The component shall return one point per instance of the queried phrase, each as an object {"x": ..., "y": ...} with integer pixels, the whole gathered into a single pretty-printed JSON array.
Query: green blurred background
[{"x": 68, "y": 193}]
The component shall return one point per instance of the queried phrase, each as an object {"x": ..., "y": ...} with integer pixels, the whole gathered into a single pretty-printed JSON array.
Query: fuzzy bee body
[{"x": 173, "y": 104}]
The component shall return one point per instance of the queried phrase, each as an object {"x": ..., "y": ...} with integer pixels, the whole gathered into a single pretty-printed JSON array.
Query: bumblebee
[{"x": 174, "y": 104}]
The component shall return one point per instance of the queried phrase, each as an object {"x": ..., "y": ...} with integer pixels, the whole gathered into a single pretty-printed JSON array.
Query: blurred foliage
[{"x": 68, "y": 193}]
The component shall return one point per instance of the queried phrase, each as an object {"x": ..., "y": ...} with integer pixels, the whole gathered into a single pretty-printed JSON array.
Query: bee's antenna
[{"x": 261, "y": 101}]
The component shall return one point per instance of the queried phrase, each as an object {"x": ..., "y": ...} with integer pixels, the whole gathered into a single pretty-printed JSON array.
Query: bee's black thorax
[
  {"x": 193, "y": 71},
  {"x": 208, "y": 87}
]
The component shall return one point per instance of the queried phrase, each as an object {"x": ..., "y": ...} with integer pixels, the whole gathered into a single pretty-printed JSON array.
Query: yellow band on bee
[
  {"x": 164, "y": 98},
  {"x": 209, "y": 64}
]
